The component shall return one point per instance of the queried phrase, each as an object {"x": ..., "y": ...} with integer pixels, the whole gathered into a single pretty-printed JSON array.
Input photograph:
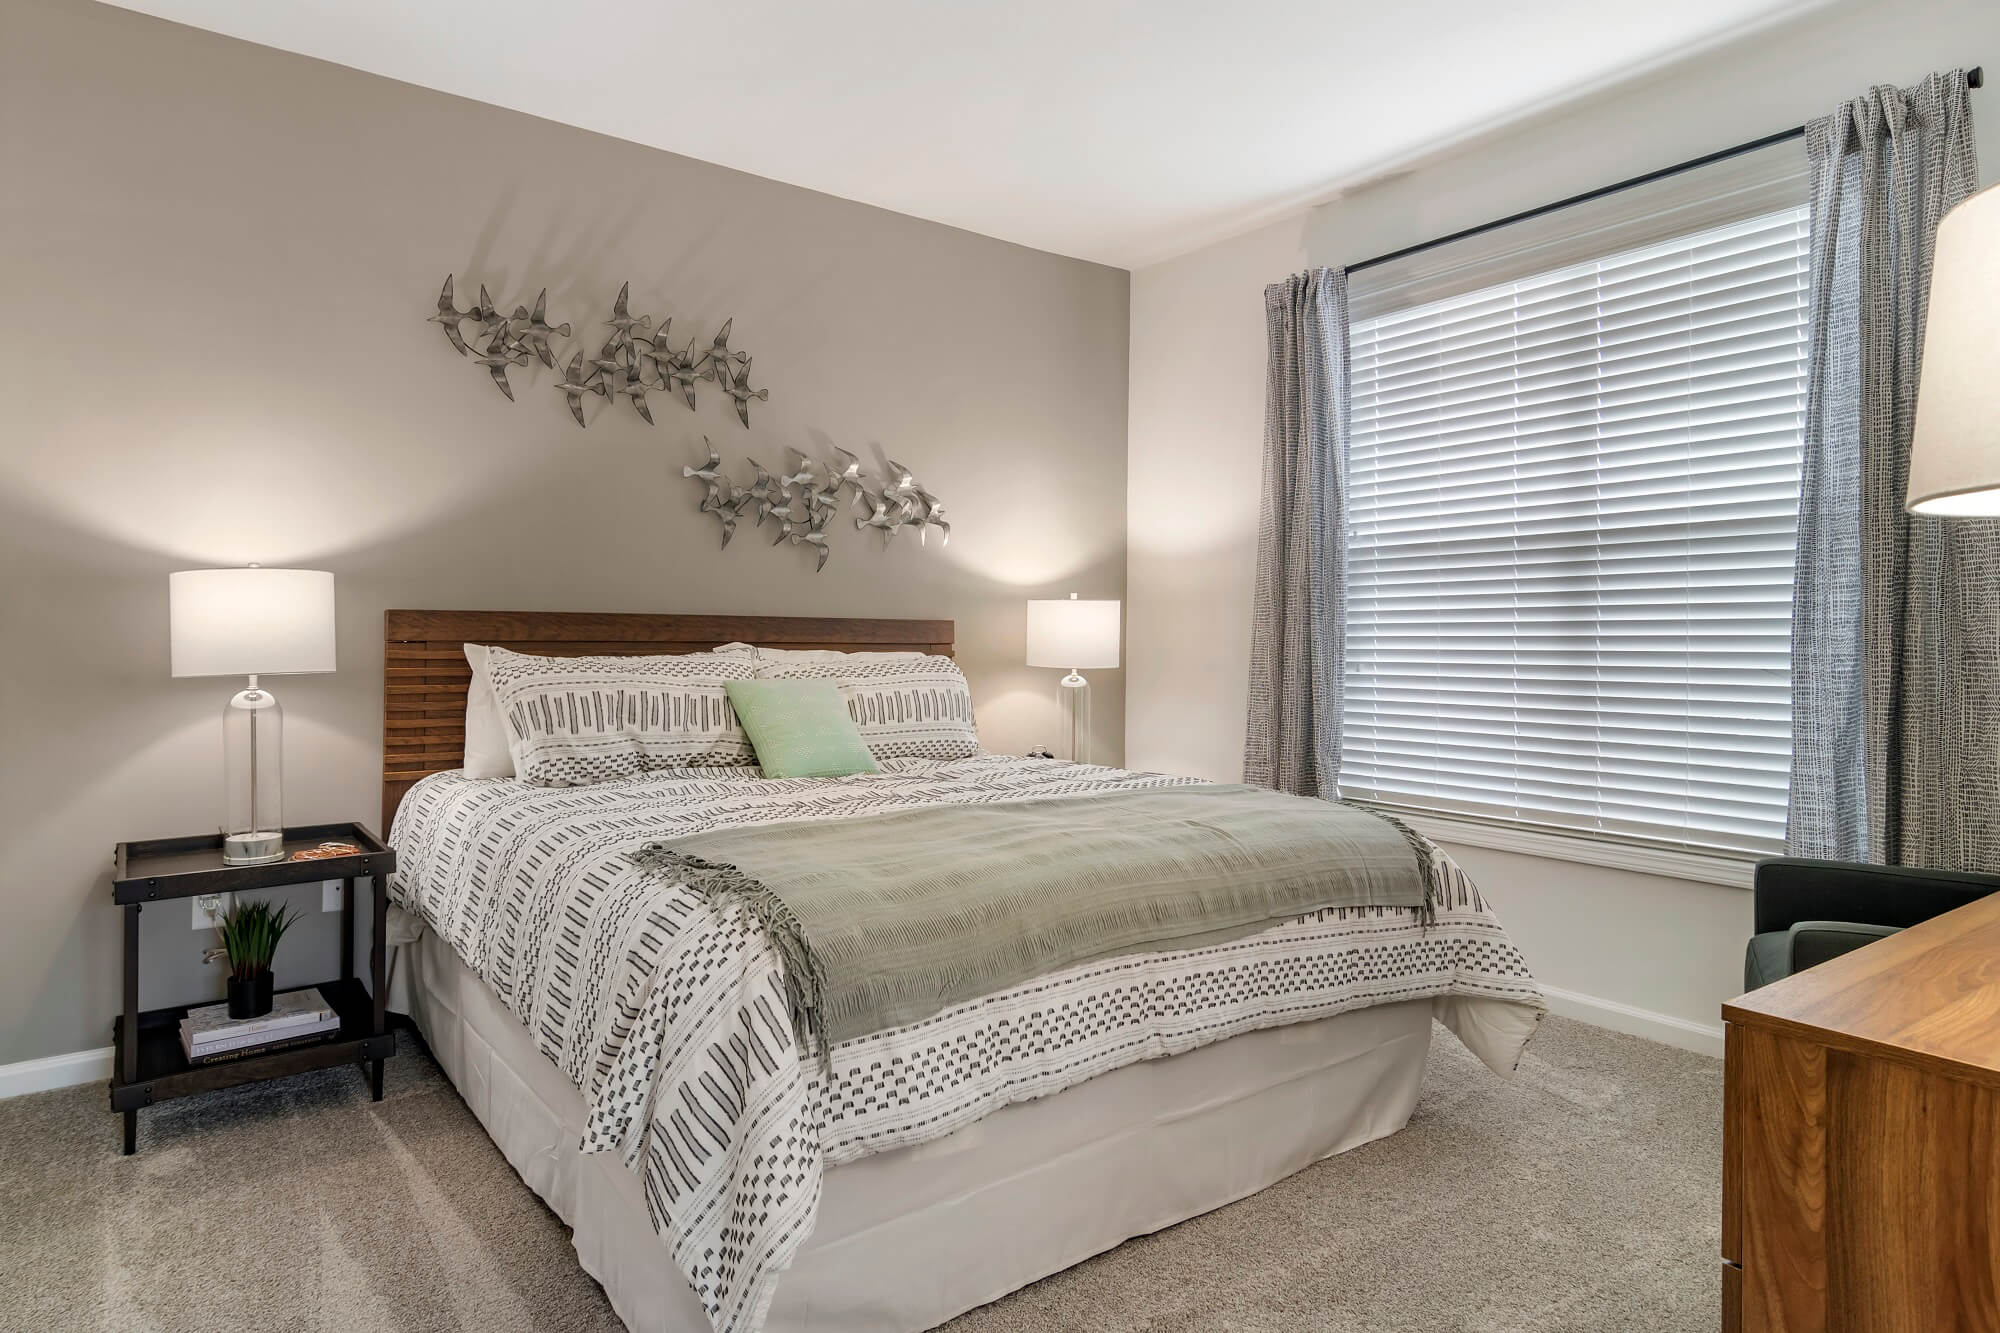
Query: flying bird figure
[
  {"x": 576, "y": 382},
  {"x": 450, "y": 316},
  {"x": 718, "y": 499},
  {"x": 622, "y": 320},
  {"x": 849, "y": 471},
  {"x": 501, "y": 352},
  {"x": 879, "y": 516},
  {"x": 709, "y": 471},
  {"x": 737, "y": 386},
  {"x": 805, "y": 476},
  {"x": 763, "y": 491},
  {"x": 488, "y": 314},
  {"x": 635, "y": 389},
  {"x": 718, "y": 353},
  {"x": 933, "y": 517},
  {"x": 726, "y": 516},
  {"x": 535, "y": 337},
  {"x": 816, "y": 538},
  {"x": 657, "y": 354},
  {"x": 609, "y": 363},
  {"x": 902, "y": 486},
  {"x": 679, "y": 371}
]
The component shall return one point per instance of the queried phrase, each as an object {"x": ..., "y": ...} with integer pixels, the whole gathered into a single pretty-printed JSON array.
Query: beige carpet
[{"x": 1582, "y": 1196}]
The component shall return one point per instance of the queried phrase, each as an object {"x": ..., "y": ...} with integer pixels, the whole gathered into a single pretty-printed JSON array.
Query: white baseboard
[
  {"x": 66, "y": 1071},
  {"x": 1703, "y": 1038},
  {"x": 55, "y": 1071}
]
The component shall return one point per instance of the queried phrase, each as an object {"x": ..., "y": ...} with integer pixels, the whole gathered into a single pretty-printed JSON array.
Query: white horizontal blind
[{"x": 1573, "y": 503}]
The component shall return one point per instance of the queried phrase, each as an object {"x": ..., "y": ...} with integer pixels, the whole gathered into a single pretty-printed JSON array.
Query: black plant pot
[{"x": 250, "y": 998}]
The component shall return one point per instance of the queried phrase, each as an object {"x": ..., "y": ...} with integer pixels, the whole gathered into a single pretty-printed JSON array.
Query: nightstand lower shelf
[{"x": 165, "y": 1072}]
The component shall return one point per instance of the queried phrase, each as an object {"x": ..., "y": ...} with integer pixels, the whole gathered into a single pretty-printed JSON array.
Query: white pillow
[
  {"x": 779, "y": 656},
  {"x": 486, "y": 752},
  {"x": 908, "y": 705},
  {"x": 573, "y": 721}
]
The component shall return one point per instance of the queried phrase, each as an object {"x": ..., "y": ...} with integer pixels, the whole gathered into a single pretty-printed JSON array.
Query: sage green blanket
[{"x": 886, "y": 920}]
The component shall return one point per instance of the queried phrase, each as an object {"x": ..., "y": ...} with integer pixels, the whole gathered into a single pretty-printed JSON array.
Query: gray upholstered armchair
[{"x": 1810, "y": 911}]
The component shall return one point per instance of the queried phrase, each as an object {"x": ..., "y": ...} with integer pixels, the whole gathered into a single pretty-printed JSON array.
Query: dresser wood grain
[{"x": 1861, "y": 1139}]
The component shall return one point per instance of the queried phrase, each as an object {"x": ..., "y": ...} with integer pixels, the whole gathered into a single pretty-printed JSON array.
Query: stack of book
[{"x": 297, "y": 1018}]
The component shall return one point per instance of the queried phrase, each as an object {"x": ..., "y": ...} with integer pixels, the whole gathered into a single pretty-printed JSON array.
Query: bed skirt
[{"x": 908, "y": 1239}]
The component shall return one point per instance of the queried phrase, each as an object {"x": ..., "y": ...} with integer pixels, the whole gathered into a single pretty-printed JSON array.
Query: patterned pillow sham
[
  {"x": 918, "y": 708},
  {"x": 575, "y": 721}
]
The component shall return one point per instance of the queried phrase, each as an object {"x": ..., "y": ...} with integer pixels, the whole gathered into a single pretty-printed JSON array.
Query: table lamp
[
  {"x": 1073, "y": 635},
  {"x": 1955, "y": 453},
  {"x": 252, "y": 622}
]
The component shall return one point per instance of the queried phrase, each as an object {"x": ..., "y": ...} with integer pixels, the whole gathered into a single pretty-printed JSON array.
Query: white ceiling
[{"x": 1123, "y": 131}]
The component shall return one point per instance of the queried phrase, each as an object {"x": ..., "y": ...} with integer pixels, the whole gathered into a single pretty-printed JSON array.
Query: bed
[{"x": 921, "y": 1171}]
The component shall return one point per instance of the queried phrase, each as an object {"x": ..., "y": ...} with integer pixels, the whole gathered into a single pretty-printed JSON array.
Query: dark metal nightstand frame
[{"x": 148, "y": 1064}]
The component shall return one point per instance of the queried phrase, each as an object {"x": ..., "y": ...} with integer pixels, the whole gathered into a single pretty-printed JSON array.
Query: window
[{"x": 1573, "y": 503}]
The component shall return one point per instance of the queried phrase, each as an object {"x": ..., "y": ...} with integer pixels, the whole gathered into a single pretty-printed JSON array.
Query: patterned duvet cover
[{"x": 669, "y": 1015}]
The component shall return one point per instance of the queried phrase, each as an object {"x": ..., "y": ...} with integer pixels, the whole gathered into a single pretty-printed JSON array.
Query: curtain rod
[{"x": 1974, "y": 78}]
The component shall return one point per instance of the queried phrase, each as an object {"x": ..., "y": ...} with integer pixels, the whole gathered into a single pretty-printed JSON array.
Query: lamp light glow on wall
[
  {"x": 1074, "y": 634},
  {"x": 1955, "y": 453},
  {"x": 252, "y": 622}
]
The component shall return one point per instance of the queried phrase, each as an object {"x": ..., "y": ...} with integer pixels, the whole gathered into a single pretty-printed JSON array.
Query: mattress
[{"x": 667, "y": 1014}]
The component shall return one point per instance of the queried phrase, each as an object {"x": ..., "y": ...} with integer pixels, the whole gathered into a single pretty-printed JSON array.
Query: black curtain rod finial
[{"x": 1976, "y": 77}]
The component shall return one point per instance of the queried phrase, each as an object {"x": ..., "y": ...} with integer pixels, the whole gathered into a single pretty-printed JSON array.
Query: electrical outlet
[
  {"x": 329, "y": 895},
  {"x": 208, "y": 910}
]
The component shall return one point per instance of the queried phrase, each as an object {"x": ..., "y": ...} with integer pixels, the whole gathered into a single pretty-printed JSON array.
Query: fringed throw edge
[
  {"x": 1420, "y": 847},
  {"x": 805, "y": 975}
]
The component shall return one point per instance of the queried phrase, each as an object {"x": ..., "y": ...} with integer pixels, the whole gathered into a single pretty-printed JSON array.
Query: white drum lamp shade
[
  {"x": 1072, "y": 634},
  {"x": 251, "y": 622},
  {"x": 1955, "y": 453}
]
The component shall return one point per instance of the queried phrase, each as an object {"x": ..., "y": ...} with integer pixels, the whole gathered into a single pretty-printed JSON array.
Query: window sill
[{"x": 1731, "y": 870}]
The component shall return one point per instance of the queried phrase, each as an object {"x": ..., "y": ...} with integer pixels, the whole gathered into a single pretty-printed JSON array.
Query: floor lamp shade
[
  {"x": 1073, "y": 634},
  {"x": 251, "y": 622},
  {"x": 1955, "y": 453}
]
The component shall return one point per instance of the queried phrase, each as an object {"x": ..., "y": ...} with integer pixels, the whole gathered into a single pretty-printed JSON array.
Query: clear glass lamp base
[
  {"x": 253, "y": 747},
  {"x": 1075, "y": 726}
]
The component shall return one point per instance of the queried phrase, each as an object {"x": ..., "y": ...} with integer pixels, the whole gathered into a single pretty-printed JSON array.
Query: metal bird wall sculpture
[
  {"x": 638, "y": 358},
  {"x": 802, "y": 502},
  {"x": 631, "y": 363}
]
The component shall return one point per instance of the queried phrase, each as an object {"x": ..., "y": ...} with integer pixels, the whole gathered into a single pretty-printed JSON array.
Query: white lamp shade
[
  {"x": 1073, "y": 634},
  {"x": 1955, "y": 454},
  {"x": 251, "y": 622}
]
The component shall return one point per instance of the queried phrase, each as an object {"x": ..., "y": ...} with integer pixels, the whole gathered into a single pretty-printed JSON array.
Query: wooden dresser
[{"x": 1861, "y": 1142}]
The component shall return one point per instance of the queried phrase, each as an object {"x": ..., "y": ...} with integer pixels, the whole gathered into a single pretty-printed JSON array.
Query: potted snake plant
[{"x": 250, "y": 933}]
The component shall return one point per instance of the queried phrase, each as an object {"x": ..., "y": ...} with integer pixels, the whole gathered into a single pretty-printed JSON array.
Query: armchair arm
[
  {"x": 1813, "y": 942},
  {"x": 1788, "y": 890}
]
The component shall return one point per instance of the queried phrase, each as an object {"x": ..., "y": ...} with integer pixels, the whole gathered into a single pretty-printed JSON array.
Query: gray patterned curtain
[
  {"x": 1895, "y": 682},
  {"x": 1293, "y": 737}
]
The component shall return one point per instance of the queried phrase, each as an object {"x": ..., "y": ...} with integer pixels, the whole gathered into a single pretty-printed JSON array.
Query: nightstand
[{"x": 148, "y": 1064}]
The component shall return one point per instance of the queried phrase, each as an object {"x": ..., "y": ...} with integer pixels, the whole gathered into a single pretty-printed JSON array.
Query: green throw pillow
[{"x": 800, "y": 728}]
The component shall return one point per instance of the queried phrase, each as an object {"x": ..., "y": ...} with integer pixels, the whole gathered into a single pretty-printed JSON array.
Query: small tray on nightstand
[{"x": 156, "y": 868}]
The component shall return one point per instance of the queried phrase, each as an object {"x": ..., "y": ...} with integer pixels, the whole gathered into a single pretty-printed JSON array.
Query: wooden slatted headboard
[{"x": 425, "y": 676}]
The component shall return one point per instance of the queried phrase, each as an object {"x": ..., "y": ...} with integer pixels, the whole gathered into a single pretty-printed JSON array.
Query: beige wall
[
  {"x": 1197, "y": 427},
  {"x": 219, "y": 263}
]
